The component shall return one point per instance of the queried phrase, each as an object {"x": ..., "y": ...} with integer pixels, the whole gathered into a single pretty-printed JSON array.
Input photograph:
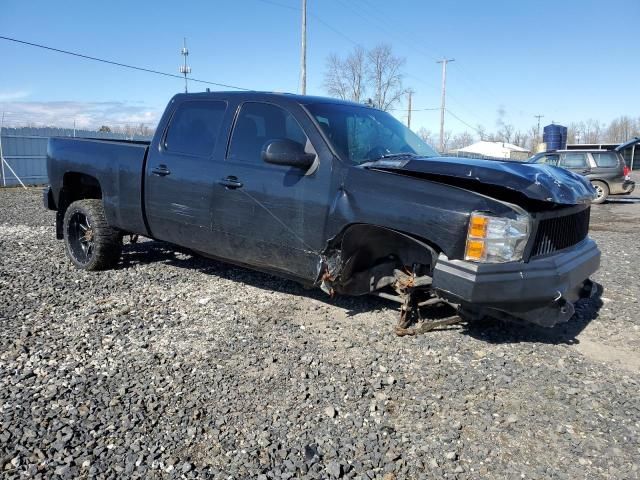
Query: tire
[
  {"x": 602, "y": 189},
  {"x": 90, "y": 242}
]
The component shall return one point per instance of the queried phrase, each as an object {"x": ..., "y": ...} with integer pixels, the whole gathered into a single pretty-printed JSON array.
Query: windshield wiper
[
  {"x": 400, "y": 154},
  {"x": 388, "y": 156}
]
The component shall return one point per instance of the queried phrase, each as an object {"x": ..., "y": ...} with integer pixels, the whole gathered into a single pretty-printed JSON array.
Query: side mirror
[{"x": 283, "y": 151}]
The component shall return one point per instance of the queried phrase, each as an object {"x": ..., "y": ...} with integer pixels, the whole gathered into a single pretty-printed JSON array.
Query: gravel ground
[{"x": 176, "y": 366}]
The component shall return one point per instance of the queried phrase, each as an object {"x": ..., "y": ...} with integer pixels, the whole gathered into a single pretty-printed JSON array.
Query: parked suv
[{"x": 605, "y": 169}]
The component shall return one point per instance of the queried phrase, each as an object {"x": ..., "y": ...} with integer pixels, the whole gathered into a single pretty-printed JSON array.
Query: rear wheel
[
  {"x": 90, "y": 242},
  {"x": 602, "y": 191}
]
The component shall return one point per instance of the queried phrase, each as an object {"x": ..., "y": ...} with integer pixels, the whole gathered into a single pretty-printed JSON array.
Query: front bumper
[{"x": 541, "y": 291}]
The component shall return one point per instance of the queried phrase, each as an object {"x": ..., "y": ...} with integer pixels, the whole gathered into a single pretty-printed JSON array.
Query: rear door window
[
  {"x": 574, "y": 160},
  {"x": 606, "y": 159},
  {"x": 259, "y": 123},
  {"x": 194, "y": 128}
]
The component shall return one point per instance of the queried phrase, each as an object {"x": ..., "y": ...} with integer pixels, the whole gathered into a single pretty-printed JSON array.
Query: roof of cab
[{"x": 263, "y": 96}]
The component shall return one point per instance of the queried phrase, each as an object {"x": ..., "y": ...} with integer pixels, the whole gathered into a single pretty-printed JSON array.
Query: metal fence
[{"x": 25, "y": 151}]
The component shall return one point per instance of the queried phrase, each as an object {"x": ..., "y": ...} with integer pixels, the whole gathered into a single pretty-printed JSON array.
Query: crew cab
[{"x": 333, "y": 194}]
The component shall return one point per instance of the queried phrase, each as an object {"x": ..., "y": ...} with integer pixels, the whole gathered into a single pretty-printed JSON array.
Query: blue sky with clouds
[{"x": 568, "y": 60}]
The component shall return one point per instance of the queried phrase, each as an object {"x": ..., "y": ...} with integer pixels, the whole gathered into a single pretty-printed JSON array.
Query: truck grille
[{"x": 560, "y": 232}]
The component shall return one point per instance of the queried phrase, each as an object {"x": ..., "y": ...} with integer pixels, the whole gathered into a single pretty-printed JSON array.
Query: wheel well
[
  {"x": 75, "y": 186},
  {"x": 370, "y": 252},
  {"x": 79, "y": 186}
]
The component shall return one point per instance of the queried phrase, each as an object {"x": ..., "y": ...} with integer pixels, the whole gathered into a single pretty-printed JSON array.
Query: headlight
[{"x": 496, "y": 239}]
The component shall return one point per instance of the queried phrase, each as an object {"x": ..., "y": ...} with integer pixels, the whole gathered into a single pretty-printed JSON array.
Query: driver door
[{"x": 272, "y": 216}]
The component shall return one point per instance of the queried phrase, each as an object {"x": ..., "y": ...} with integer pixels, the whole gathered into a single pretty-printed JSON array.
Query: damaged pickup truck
[{"x": 332, "y": 194}]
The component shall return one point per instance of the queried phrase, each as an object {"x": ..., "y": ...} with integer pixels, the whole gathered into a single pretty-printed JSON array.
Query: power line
[
  {"x": 119, "y": 64},
  {"x": 370, "y": 10},
  {"x": 463, "y": 122},
  {"x": 382, "y": 25},
  {"x": 350, "y": 40},
  {"x": 316, "y": 17}
]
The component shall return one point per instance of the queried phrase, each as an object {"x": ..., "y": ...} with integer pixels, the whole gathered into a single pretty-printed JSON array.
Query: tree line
[
  {"x": 142, "y": 130},
  {"x": 375, "y": 77},
  {"x": 619, "y": 130}
]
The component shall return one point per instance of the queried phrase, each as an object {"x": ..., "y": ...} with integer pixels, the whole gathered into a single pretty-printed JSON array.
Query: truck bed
[{"x": 117, "y": 166}]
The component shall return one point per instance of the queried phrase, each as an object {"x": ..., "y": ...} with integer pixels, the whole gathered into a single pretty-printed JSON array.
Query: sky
[{"x": 569, "y": 60}]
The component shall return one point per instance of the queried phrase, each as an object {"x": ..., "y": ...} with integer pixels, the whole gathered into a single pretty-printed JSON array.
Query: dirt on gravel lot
[{"x": 176, "y": 366}]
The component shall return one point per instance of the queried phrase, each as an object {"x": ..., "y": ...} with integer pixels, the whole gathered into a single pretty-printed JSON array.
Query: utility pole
[
  {"x": 303, "y": 51},
  {"x": 444, "y": 62},
  {"x": 184, "y": 68},
  {"x": 410, "y": 93},
  {"x": 538, "y": 131}
]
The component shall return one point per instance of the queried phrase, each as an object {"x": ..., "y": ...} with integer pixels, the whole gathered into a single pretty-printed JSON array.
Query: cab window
[
  {"x": 573, "y": 160},
  {"x": 194, "y": 128},
  {"x": 606, "y": 159},
  {"x": 259, "y": 123}
]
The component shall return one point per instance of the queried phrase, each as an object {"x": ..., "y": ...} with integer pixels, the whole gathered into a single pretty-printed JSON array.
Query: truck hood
[{"x": 538, "y": 182}]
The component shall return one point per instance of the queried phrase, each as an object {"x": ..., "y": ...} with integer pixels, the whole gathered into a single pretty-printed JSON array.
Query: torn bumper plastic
[{"x": 541, "y": 291}]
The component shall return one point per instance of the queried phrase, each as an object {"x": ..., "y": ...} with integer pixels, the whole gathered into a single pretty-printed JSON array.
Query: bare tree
[
  {"x": 574, "y": 132},
  {"x": 356, "y": 69},
  {"x": 143, "y": 130},
  {"x": 104, "y": 128},
  {"x": 482, "y": 132},
  {"x": 621, "y": 129},
  {"x": 446, "y": 140},
  {"x": 461, "y": 140},
  {"x": 346, "y": 79},
  {"x": 592, "y": 131},
  {"x": 520, "y": 138},
  {"x": 426, "y": 136},
  {"x": 377, "y": 72},
  {"x": 505, "y": 134},
  {"x": 534, "y": 139},
  {"x": 385, "y": 76}
]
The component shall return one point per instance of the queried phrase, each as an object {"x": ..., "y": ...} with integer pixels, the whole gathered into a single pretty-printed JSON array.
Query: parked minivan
[{"x": 605, "y": 169}]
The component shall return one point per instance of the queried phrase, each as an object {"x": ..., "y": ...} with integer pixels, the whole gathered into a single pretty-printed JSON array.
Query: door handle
[
  {"x": 161, "y": 170},
  {"x": 588, "y": 170},
  {"x": 231, "y": 183}
]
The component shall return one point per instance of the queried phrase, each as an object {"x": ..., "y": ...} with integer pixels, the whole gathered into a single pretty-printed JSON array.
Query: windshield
[{"x": 363, "y": 134}]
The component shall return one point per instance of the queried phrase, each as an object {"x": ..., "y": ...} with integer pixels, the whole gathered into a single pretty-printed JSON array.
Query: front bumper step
[{"x": 541, "y": 291}]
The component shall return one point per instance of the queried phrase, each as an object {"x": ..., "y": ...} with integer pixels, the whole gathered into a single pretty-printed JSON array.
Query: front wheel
[
  {"x": 602, "y": 191},
  {"x": 90, "y": 242}
]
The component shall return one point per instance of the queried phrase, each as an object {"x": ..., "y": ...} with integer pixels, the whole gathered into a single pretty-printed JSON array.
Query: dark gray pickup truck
[{"x": 332, "y": 194}]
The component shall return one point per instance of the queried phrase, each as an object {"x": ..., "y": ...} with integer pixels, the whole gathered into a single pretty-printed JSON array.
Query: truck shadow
[
  {"x": 499, "y": 331},
  {"x": 149, "y": 252},
  {"x": 488, "y": 330}
]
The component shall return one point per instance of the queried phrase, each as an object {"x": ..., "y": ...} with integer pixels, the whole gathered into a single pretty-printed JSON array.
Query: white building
[{"x": 495, "y": 150}]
